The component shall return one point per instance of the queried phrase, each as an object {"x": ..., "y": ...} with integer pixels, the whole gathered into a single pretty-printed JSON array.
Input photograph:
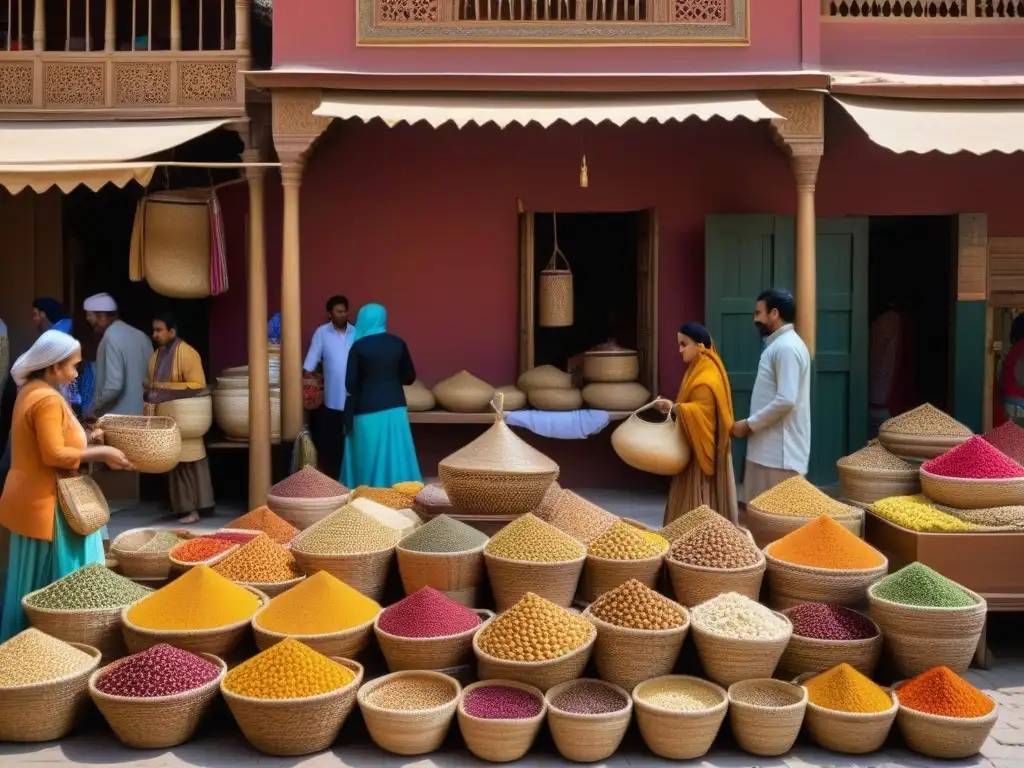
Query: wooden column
[
  {"x": 243, "y": 24},
  {"x": 259, "y": 372},
  {"x": 38, "y": 26},
  {"x": 176, "y": 25},
  {"x": 110, "y": 27}
]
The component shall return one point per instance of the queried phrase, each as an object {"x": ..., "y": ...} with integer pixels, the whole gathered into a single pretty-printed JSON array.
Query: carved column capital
[
  {"x": 292, "y": 166},
  {"x": 293, "y": 123},
  {"x": 805, "y": 170},
  {"x": 801, "y": 129}
]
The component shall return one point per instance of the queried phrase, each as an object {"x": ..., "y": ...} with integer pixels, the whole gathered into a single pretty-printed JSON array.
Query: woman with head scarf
[
  {"x": 47, "y": 441},
  {"x": 378, "y": 447},
  {"x": 1011, "y": 377},
  {"x": 704, "y": 407}
]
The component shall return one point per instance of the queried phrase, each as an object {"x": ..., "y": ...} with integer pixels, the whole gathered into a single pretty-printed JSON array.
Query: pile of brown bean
[
  {"x": 715, "y": 545},
  {"x": 578, "y": 517},
  {"x": 411, "y": 693},
  {"x": 634, "y": 605},
  {"x": 875, "y": 456},
  {"x": 588, "y": 697},
  {"x": 926, "y": 420},
  {"x": 695, "y": 517}
]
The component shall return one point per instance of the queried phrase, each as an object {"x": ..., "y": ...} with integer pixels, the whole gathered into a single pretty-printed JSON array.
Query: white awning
[
  {"x": 39, "y": 177},
  {"x": 544, "y": 109},
  {"x": 932, "y": 125}
]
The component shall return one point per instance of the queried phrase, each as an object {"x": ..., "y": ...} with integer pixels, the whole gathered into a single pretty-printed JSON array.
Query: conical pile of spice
[
  {"x": 201, "y": 549},
  {"x": 844, "y": 689},
  {"x": 261, "y": 561},
  {"x": 976, "y": 459},
  {"x": 692, "y": 519},
  {"x": 308, "y": 483},
  {"x": 91, "y": 587},
  {"x": 162, "y": 670},
  {"x": 320, "y": 605},
  {"x": 796, "y": 497},
  {"x": 623, "y": 541},
  {"x": 824, "y": 543},
  {"x": 941, "y": 691},
  {"x": 926, "y": 421},
  {"x": 346, "y": 532},
  {"x": 715, "y": 544},
  {"x": 1009, "y": 439},
  {"x": 918, "y": 585},
  {"x": 287, "y": 670},
  {"x": 529, "y": 538},
  {"x": 875, "y": 456},
  {"x": 581, "y": 519},
  {"x": 427, "y": 613},
  {"x": 199, "y": 599},
  {"x": 264, "y": 520},
  {"x": 444, "y": 534},
  {"x": 33, "y": 657},
  {"x": 634, "y": 605},
  {"x": 534, "y": 629}
]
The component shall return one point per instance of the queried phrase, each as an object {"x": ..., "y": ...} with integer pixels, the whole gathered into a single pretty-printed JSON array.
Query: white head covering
[
  {"x": 101, "y": 302},
  {"x": 50, "y": 348}
]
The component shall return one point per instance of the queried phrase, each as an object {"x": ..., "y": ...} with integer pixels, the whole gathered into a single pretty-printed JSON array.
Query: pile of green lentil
[
  {"x": 91, "y": 587},
  {"x": 346, "y": 532},
  {"x": 33, "y": 657},
  {"x": 444, "y": 534},
  {"x": 920, "y": 586}
]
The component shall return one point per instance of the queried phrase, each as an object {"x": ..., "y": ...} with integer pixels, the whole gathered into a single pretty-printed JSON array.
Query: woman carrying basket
[{"x": 46, "y": 440}]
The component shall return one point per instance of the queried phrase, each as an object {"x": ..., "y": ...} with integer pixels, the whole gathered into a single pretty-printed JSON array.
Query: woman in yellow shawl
[{"x": 704, "y": 405}]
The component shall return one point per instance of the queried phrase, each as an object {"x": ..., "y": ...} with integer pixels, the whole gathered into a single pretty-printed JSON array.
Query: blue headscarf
[{"x": 373, "y": 319}]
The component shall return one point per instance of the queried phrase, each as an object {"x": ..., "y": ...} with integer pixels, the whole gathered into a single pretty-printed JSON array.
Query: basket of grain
[
  {"x": 588, "y": 719},
  {"x": 428, "y": 631},
  {"x": 141, "y": 553},
  {"x": 498, "y": 473},
  {"x": 846, "y": 712},
  {"x": 263, "y": 564},
  {"x": 306, "y": 497},
  {"x": 620, "y": 554},
  {"x": 974, "y": 475},
  {"x": 409, "y": 713},
  {"x": 500, "y": 719},
  {"x": 573, "y": 514},
  {"x": 137, "y": 710},
  {"x": 200, "y": 550},
  {"x": 766, "y": 715},
  {"x": 793, "y": 503},
  {"x": 418, "y": 397},
  {"x": 544, "y": 377},
  {"x": 151, "y": 443},
  {"x": 738, "y": 639},
  {"x": 193, "y": 415},
  {"x": 560, "y": 642},
  {"x": 445, "y": 554},
  {"x": 922, "y": 433},
  {"x": 555, "y": 399},
  {"x": 927, "y": 620},
  {"x": 872, "y": 473},
  {"x": 639, "y": 634},
  {"x": 679, "y": 716},
  {"x": 826, "y": 635},
  {"x": 713, "y": 558},
  {"x": 44, "y": 686},
  {"x": 463, "y": 393}
]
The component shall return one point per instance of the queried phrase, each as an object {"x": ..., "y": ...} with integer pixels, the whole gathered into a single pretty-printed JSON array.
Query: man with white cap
[{"x": 122, "y": 360}]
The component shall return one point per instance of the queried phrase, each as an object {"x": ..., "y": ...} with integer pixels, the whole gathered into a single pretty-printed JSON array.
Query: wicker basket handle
[
  {"x": 652, "y": 404},
  {"x": 553, "y": 263},
  {"x": 498, "y": 404}
]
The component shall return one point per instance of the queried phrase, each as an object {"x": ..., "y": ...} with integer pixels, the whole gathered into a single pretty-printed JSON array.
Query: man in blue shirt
[{"x": 329, "y": 348}]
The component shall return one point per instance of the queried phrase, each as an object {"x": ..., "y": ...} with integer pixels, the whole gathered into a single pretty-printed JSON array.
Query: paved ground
[{"x": 219, "y": 744}]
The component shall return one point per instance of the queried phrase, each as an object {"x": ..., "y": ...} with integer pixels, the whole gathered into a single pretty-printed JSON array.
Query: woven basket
[
  {"x": 364, "y": 571},
  {"x": 98, "y": 628},
  {"x": 175, "y": 249},
  {"x": 918, "y": 448},
  {"x": 766, "y": 731},
  {"x": 852, "y": 733},
  {"x": 627, "y": 657},
  {"x": 540, "y": 674},
  {"x": 156, "y": 722},
  {"x": 624, "y": 396},
  {"x": 512, "y": 579},
  {"x": 809, "y": 654},
  {"x": 193, "y": 415},
  {"x": 82, "y": 503},
  {"x": 291, "y": 727},
  {"x": 514, "y": 398},
  {"x": 695, "y": 584},
  {"x": 544, "y": 377},
  {"x": 46, "y": 711},
  {"x": 972, "y": 494},
  {"x": 456, "y": 574},
  {"x": 134, "y": 564},
  {"x": 766, "y": 527},
  {"x": 348, "y": 643},
  {"x": 272, "y": 589},
  {"x": 406, "y": 653},
  {"x": 192, "y": 449},
  {"x": 418, "y": 397},
  {"x": 499, "y": 740},
  {"x": 729, "y": 660},
  {"x": 588, "y": 738},
  {"x": 231, "y": 412},
  {"x": 860, "y": 485},
  {"x": 679, "y": 734},
  {"x": 556, "y": 399},
  {"x": 409, "y": 731},
  {"x": 463, "y": 393},
  {"x": 151, "y": 443},
  {"x": 179, "y": 567},
  {"x": 610, "y": 363},
  {"x": 302, "y": 513},
  {"x": 919, "y": 638},
  {"x": 790, "y": 585},
  {"x": 602, "y": 574},
  {"x": 555, "y": 292},
  {"x": 656, "y": 447},
  {"x": 944, "y": 738},
  {"x": 219, "y": 641}
]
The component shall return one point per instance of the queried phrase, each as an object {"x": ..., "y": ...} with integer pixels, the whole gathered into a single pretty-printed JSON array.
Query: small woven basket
[
  {"x": 944, "y": 738},
  {"x": 861, "y": 485},
  {"x": 302, "y": 513},
  {"x": 46, "y": 711},
  {"x": 611, "y": 368},
  {"x": 679, "y": 734},
  {"x": 695, "y": 584},
  {"x": 728, "y": 660},
  {"x": 292, "y": 727},
  {"x": 364, "y": 571},
  {"x": 346, "y": 644},
  {"x": 135, "y": 564},
  {"x": 500, "y": 740},
  {"x": 602, "y": 574},
  {"x": 456, "y": 574},
  {"x": 156, "y": 722},
  {"x": 972, "y": 494},
  {"x": 766, "y": 731},
  {"x": 588, "y": 738},
  {"x": 151, "y": 443},
  {"x": 512, "y": 579},
  {"x": 792, "y": 585},
  {"x": 219, "y": 641},
  {"x": 409, "y": 731},
  {"x": 491, "y": 492},
  {"x": 809, "y": 654},
  {"x": 766, "y": 527},
  {"x": 852, "y": 733},
  {"x": 406, "y": 653},
  {"x": 193, "y": 415},
  {"x": 540, "y": 674},
  {"x": 272, "y": 589},
  {"x": 918, "y": 448},
  {"x": 919, "y": 638},
  {"x": 627, "y": 657}
]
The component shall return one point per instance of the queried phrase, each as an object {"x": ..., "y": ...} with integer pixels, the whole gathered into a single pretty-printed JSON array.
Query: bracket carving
[
  {"x": 295, "y": 128},
  {"x": 801, "y": 135}
]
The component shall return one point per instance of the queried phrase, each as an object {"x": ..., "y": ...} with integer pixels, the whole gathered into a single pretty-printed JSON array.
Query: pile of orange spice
[
  {"x": 263, "y": 519},
  {"x": 824, "y": 543},
  {"x": 941, "y": 691}
]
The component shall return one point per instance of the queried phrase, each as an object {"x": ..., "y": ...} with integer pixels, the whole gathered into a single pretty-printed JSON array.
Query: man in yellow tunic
[{"x": 176, "y": 371}]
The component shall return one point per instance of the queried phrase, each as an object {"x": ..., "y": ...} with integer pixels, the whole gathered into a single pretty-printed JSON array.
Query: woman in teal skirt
[
  {"x": 379, "y": 451},
  {"x": 46, "y": 440}
]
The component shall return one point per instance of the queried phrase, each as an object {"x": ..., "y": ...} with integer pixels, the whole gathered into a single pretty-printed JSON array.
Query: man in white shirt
[
  {"x": 330, "y": 347},
  {"x": 779, "y": 425}
]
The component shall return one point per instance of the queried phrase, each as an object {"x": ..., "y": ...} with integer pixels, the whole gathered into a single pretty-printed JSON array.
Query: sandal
[{"x": 190, "y": 519}]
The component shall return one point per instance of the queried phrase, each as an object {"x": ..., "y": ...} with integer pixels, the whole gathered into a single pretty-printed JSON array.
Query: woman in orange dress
[{"x": 704, "y": 406}]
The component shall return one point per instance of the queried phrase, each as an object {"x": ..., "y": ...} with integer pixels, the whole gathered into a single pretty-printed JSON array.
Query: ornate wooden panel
[{"x": 925, "y": 10}]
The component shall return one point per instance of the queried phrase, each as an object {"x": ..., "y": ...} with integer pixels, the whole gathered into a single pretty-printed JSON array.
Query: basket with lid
[
  {"x": 498, "y": 473},
  {"x": 500, "y": 719},
  {"x": 306, "y": 497},
  {"x": 610, "y": 363},
  {"x": 766, "y": 715},
  {"x": 409, "y": 713},
  {"x": 418, "y": 397},
  {"x": 463, "y": 393},
  {"x": 588, "y": 719},
  {"x": 679, "y": 715},
  {"x": 151, "y": 443},
  {"x": 922, "y": 433}
]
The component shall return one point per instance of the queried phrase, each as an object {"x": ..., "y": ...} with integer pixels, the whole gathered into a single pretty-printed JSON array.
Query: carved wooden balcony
[{"x": 910, "y": 11}]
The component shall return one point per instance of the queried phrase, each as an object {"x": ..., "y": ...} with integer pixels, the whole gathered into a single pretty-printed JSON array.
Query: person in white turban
[
  {"x": 122, "y": 360},
  {"x": 47, "y": 441}
]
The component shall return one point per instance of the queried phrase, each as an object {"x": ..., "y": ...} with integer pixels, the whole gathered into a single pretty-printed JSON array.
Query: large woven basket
[
  {"x": 219, "y": 641},
  {"x": 860, "y": 485},
  {"x": 728, "y": 660},
  {"x": 852, "y": 733},
  {"x": 809, "y": 654},
  {"x": 364, "y": 571},
  {"x": 156, "y": 722},
  {"x": 972, "y": 494},
  {"x": 151, "y": 443},
  {"x": 791, "y": 585},
  {"x": 919, "y": 638},
  {"x": 610, "y": 363},
  {"x": 602, "y": 574},
  {"x": 404, "y": 653},
  {"x": 463, "y": 393},
  {"x": 627, "y": 657},
  {"x": 658, "y": 447},
  {"x": 544, "y": 377},
  {"x": 193, "y": 415},
  {"x": 46, "y": 711},
  {"x": 766, "y": 731},
  {"x": 944, "y": 738},
  {"x": 302, "y": 513},
  {"x": 624, "y": 396},
  {"x": 679, "y": 734},
  {"x": 347, "y": 643},
  {"x": 135, "y": 564},
  {"x": 766, "y": 527},
  {"x": 291, "y": 727},
  {"x": 500, "y": 740},
  {"x": 231, "y": 412},
  {"x": 457, "y": 574},
  {"x": 695, "y": 584},
  {"x": 511, "y": 579},
  {"x": 588, "y": 738},
  {"x": 173, "y": 254},
  {"x": 540, "y": 674},
  {"x": 555, "y": 399},
  {"x": 918, "y": 448},
  {"x": 409, "y": 731}
]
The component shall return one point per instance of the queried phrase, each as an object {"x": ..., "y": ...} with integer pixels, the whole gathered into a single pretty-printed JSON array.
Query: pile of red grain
[
  {"x": 1009, "y": 439},
  {"x": 201, "y": 549},
  {"x": 427, "y": 613},
  {"x": 976, "y": 459}
]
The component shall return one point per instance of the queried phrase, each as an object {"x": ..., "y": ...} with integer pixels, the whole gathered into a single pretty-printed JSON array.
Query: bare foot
[{"x": 190, "y": 519}]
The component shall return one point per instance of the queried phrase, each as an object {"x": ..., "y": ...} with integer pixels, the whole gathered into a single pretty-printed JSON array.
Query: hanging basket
[
  {"x": 555, "y": 292},
  {"x": 656, "y": 447},
  {"x": 171, "y": 243}
]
